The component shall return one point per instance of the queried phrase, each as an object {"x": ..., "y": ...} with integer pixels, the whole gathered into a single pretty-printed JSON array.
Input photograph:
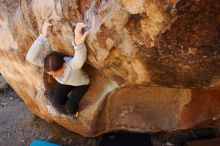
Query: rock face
[{"x": 154, "y": 65}]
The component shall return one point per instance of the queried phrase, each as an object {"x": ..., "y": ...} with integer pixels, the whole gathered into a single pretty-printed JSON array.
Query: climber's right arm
[{"x": 34, "y": 53}]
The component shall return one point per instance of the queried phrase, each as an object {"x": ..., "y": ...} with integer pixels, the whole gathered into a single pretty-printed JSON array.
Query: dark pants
[{"x": 68, "y": 105}]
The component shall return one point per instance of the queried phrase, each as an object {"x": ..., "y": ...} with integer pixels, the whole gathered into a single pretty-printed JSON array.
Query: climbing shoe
[{"x": 75, "y": 115}]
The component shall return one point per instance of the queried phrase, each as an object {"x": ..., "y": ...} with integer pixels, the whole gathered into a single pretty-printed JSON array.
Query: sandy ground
[{"x": 19, "y": 127}]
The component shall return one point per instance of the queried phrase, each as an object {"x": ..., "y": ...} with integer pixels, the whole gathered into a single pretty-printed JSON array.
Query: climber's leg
[
  {"x": 60, "y": 96},
  {"x": 72, "y": 103}
]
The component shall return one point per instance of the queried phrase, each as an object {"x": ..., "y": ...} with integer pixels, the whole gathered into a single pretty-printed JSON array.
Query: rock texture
[{"x": 154, "y": 65}]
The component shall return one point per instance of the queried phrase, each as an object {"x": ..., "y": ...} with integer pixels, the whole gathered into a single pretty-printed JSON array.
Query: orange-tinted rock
[{"x": 154, "y": 65}]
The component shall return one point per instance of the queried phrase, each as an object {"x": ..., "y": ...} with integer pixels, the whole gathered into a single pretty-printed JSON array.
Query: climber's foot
[{"x": 75, "y": 115}]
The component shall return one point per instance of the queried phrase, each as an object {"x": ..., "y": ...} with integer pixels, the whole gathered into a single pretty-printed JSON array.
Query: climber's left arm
[{"x": 79, "y": 46}]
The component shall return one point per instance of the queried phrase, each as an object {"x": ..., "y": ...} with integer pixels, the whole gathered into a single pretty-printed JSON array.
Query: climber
[{"x": 66, "y": 70}]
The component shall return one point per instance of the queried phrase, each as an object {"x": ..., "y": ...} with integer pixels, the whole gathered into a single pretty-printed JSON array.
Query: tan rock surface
[{"x": 154, "y": 65}]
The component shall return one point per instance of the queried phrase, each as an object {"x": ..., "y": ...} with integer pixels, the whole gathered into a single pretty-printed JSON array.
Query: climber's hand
[
  {"x": 46, "y": 28},
  {"x": 80, "y": 35}
]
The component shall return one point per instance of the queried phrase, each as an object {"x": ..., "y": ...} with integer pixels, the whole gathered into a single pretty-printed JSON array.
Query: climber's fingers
[
  {"x": 47, "y": 23},
  {"x": 85, "y": 35},
  {"x": 80, "y": 35},
  {"x": 79, "y": 28},
  {"x": 45, "y": 28}
]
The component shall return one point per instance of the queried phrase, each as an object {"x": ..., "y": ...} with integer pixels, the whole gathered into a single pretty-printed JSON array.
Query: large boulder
[{"x": 154, "y": 65}]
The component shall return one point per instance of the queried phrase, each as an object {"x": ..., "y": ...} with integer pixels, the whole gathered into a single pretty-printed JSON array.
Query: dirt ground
[{"x": 19, "y": 127}]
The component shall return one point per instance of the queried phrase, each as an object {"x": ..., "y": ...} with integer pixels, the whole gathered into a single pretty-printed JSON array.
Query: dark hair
[{"x": 53, "y": 61}]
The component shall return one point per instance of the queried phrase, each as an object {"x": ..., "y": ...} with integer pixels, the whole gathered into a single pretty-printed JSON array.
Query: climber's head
[{"x": 54, "y": 64}]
